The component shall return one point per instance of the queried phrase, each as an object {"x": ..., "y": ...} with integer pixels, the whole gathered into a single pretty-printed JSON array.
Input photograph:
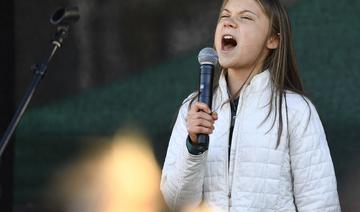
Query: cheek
[
  {"x": 217, "y": 38},
  {"x": 253, "y": 39},
  {"x": 248, "y": 35}
]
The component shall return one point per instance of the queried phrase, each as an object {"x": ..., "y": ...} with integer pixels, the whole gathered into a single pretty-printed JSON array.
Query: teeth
[{"x": 228, "y": 37}]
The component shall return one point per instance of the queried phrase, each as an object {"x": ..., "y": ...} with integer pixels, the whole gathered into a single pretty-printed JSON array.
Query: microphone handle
[
  {"x": 205, "y": 95},
  {"x": 203, "y": 140}
]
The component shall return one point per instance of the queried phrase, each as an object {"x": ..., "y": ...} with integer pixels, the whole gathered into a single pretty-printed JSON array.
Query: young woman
[{"x": 268, "y": 150}]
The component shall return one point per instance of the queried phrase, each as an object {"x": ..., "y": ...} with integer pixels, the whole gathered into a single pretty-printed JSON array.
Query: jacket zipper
[
  {"x": 229, "y": 150},
  {"x": 232, "y": 125},
  {"x": 227, "y": 168},
  {"x": 230, "y": 143},
  {"x": 229, "y": 197},
  {"x": 227, "y": 180},
  {"x": 228, "y": 188}
]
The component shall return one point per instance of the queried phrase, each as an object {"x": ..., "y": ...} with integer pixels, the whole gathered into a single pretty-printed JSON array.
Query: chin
[{"x": 226, "y": 63}]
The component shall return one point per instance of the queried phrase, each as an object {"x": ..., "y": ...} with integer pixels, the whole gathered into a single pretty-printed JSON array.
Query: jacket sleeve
[
  {"x": 314, "y": 180},
  {"x": 183, "y": 173}
]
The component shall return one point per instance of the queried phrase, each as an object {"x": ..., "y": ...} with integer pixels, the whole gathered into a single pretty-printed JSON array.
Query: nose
[{"x": 229, "y": 22}]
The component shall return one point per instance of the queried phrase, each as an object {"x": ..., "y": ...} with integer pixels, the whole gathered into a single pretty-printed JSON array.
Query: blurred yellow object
[
  {"x": 201, "y": 208},
  {"x": 124, "y": 177}
]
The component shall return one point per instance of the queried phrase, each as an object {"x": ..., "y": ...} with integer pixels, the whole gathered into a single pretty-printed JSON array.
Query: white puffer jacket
[{"x": 260, "y": 177}]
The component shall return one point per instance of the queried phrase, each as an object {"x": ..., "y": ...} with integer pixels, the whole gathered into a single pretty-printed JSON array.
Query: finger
[
  {"x": 193, "y": 123},
  {"x": 193, "y": 137},
  {"x": 202, "y": 130},
  {"x": 192, "y": 128},
  {"x": 203, "y": 123},
  {"x": 201, "y": 115},
  {"x": 214, "y": 115},
  {"x": 201, "y": 106}
]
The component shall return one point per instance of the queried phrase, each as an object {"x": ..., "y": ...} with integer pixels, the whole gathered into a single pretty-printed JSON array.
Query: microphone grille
[{"x": 208, "y": 56}]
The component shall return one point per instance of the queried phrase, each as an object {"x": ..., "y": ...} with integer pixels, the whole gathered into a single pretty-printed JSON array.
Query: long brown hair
[{"x": 281, "y": 63}]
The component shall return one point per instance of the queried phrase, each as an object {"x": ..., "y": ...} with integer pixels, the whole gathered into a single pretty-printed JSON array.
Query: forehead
[{"x": 241, "y": 5}]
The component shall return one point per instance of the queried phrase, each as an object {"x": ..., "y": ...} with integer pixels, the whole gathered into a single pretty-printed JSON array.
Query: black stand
[
  {"x": 39, "y": 73},
  {"x": 63, "y": 18}
]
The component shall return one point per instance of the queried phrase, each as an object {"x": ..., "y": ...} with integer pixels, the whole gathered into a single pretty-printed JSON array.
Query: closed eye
[
  {"x": 247, "y": 18},
  {"x": 224, "y": 16}
]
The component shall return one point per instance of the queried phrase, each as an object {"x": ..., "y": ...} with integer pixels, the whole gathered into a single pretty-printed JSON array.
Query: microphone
[
  {"x": 65, "y": 16},
  {"x": 208, "y": 59}
]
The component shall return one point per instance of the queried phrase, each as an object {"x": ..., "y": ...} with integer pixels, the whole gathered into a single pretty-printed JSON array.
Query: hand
[{"x": 200, "y": 120}]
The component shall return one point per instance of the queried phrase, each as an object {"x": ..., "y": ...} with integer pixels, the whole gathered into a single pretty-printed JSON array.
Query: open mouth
[{"x": 228, "y": 43}]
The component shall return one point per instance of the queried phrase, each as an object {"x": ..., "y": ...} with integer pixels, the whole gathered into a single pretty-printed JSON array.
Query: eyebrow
[{"x": 241, "y": 12}]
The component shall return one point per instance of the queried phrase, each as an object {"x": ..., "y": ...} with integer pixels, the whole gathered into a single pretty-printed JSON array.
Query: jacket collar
[{"x": 258, "y": 83}]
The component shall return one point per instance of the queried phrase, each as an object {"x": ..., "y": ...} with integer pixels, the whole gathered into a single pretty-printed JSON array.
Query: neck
[{"x": 236, "y": 78}]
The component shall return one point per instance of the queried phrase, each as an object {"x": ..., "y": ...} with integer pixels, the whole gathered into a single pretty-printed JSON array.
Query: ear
[{"x": 273, "y": 41}]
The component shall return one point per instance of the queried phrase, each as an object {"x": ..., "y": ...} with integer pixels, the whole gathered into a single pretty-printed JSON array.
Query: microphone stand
[{"x": 63, "y": 18}]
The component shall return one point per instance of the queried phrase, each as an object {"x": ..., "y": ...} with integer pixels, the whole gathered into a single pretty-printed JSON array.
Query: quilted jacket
[{"x": 298, "y": 175}]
